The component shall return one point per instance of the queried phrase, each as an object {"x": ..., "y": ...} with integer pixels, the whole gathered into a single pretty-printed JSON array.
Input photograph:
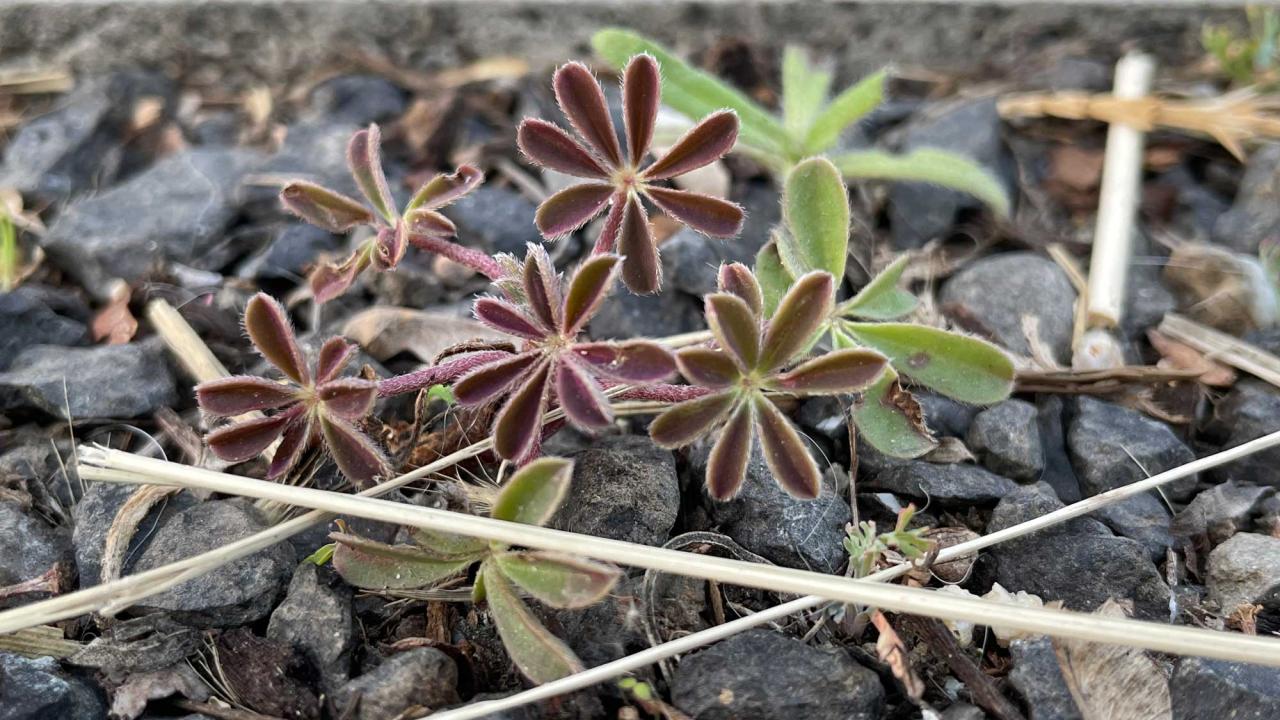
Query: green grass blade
[
  {"x": 927, "y": 165},
  {"x": 8, "y": 253},
  {"x": 804, "y": 89},
  {"x": 958, "y": 366},
  {"x": 693, "y": 92},
  {"x": 816, "y": 207},
  {"x": 846, "y": 109}
]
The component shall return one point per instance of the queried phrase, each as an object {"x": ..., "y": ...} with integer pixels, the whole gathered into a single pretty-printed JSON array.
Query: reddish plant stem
[
  {"x": 445, "y": 372},
  {"x": 479, "y": 261},
  {"x": 661, "y": 392}
]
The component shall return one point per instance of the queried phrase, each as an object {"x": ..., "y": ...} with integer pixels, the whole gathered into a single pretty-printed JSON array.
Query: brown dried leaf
[
  {"x": 1113, "y": 682},
  {"x": 1184, "y": 357},
  {"x": 893, "y": 652},
  {"x": 114, "y": 324},
  {"x": 387, "y": 331}
]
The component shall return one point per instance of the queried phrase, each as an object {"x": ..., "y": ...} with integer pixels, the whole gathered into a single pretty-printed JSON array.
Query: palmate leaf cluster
[{"x": 779, "y": 332}]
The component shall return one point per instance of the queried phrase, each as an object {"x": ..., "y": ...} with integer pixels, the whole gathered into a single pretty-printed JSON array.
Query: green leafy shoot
[
  {"x": 1250, "y": 59},
  {"x": 8, "y": 253},
  {"x": 882, "y": 299},
  {"x": 532, "y": 495},
  {"x": 442, "y": 393},
  {"x": 811, "y": 124},
  {"x": 891, "y": 420},
  {"x": 816, "y": 210},
  {"x": 867, "y": 548},
  {"x": 322, "y": 555}
]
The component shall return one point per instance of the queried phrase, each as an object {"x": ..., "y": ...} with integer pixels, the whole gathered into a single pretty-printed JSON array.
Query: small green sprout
[
  {"x": 322, "y": 555},
  {"x": 531, "y": 496},
  {"x": 811, "y": 123},
  {"x": 1250, "y": 59},
  {"x": 8, "y": 252},
  {"x": 866, "y": 547}
]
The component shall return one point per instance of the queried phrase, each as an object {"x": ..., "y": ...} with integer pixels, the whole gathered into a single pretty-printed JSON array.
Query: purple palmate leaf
[{"x": 619, "y": 182}]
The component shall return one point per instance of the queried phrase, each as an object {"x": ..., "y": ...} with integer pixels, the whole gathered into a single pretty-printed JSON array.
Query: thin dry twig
[{"x": 1224, "y": 348}]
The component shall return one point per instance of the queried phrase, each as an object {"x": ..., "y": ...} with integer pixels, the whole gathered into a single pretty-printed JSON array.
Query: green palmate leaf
[
  {"x": 927, "y": 165},
  {"x": 891, "y": 420},
  {"x": 541, "y": 656},
  {"x": 447, "y": 546},
  {"x": 804, "y": 89},
  {"x": 847, "y": 108},
  {"x": 375, "y": 566},
  {"x": 958, "y": 366},
  {"x": 534, "y": 493},
  {"x": 559, "y": 580},
  {"x": 816, "y": 208},
  {"x": 882, "y": 299},
  {"x": 773, "y": 276},
  {"x": 693, "y": 92}
]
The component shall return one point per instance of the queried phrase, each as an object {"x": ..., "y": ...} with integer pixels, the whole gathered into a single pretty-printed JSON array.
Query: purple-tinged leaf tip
[
  {"x": 518, "y": 425},
  {"x": 799, "y": 315},
  {"x": 641, "y": 271},
  {"x": 292, "y": 444},
  {"x": 441, "y": 190},
  {"x": 727, "y": 463},
  {"x": 545, "y": 144},
  {"x": 542, "y": 287},
  {"x": 490, "y": 380},
  {"x": 246, "y": 440},
  {"x": 682, "y": 424},
  {"x": 348, "y": 398},
  {"x": 708, "y": 368},
  {"x": 587, "y": 289},
  {"x": 580, "y": 396},
  {"x": 354, "y": 453},
  {"x": 324, "y": 208},
  {"x": 632, "y": 361},
  {"x": 507, "y": 318},
  {"x": 641, "y": 95},
  {"x": 240, "y": 394},
  {"x": 704, "y": 213},
  {"x": 571, "y": 208},
  {"x": 269, "y": 331},
  {"x": 334, "y": 356},
  {"x": 737, "y": 279},
  {"x": 702, "y": 145},
  {"x": 839, "y": 371},
  {"x": 583, "y": 103},
  {"x": 735, "y": 327},
  {"x": 789, "y": 460},
  {"x": 364, "y": 156}
]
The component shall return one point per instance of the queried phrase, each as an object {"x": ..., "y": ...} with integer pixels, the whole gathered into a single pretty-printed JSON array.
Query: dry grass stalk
[
  {"x": 40, "y": 641},
  {"x": 1231, "y": 120},
  {"x": 1224, "y": 348}
]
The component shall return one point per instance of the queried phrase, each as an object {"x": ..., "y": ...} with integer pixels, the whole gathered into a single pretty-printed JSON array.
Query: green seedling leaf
[
  {"x": 882, "y": 299},
  {"x": 561, "y": 581},
  {"x": 443, "y": 393},
  {"x": 846, "y": 109},
  {"x": 891, "y": 420},
  {"x": 322, "y": 555},
  {"x": 804, "y": 89},
  {"x": 693, "y": 92},
  {"x": 816, "y": 207},
  {"x": 927, "y": 165},
  {"x": 8, "y": 252},
  {"x": 773, "y": 275},
  {"x": 541, "y": 656},
  {"x": 534, "y": 493},
  {"x": 447, "y": 546},
  {"x": 377, "y": 566},
  {"x": 958, "y": 366}
]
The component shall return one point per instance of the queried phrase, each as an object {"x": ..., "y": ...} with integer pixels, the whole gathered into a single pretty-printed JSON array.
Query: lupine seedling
[
  {"x": 619, "y": 181},
  {"x": 420, "y": 225},
  {"x": 531, "y": 496},
  {"x": 315, "y": 402},
  {"x": 547, "y": 315},
  {"x": 748, "y": 364},
  {"x": 866, "y": 547},
  {"x": 811, "y": 123},
  {"x": 816, "y": 237}
]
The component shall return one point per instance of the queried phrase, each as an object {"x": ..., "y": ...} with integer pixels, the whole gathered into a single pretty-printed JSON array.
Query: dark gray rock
[
  {"x": 1245, "y": 570},
  {"x": 315, "y": 618},
  {"x": 600, "y": 633},
  {"x": 104, "y": 381},
  {"x": 1218, "y": 513},
  {"x": 1112, "y": 446},
  {"x": 1201, "y": 688},
  {"x": 80, "y": 144},
  {"x": 497, "y": 219},
  {"x": 626, "y": 315},
  {"x": 766, "y": 520},
  {"x": 1058, "y": 473},
  {"x": 1072, "y": 72},
  {"x": 422, "y": 677},
  {"x": 963, "y": 711},
  {"x": 38, "y": 689},
  {"x": 92, "y": 518},
  {"x": 1007, "y": 439},
  {"x": 765, "y": 675},
  {"x": 32, "y": 547},
  {"x": 356, "y": 99},
  {"x": 947, "y": 484},
  {"x": 237, "y": 593},
  {"x": 1079, "y": 562},
  {"x": 1250, "y": 410},
  {"x": 1268, "y": 339},
  {"x": 623, "y": 488},
  {"x": 293, "y": 250},
  {"x": 313, "y": 150},
  {"x": 690, "y": 260},
  {"x": 1037, "y": 676},
  {"x": 920, "y": 212},
  {"x": 26, "y": 321},
  {"x": 1147, "y": 301},
  {"x": 945, "y": 416},
  {"x": 991, "y": 295},
  {"x": 1255, "y": 214},
  {"x": 174, "y": 212}
]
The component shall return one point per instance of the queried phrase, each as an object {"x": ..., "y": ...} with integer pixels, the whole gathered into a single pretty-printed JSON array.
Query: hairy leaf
[
  {"x": 293, "y": 443},
  {"x": 270, "y": 332},
  {"x": 583, "y": 401},
  {"x": 583, "y": 103},
  {"x": 707, "y": 367},
  {"x": 547, "y": 145},
  {"x": 804, "y": 90},
  {"x": 727, "y": 464},
  {"x": 839, "y": 371},
  {"x": 490, "y": 380},
  {"x": 539, "y": 654},
  {"x": 929, "y": 165},
  {"x": 882, "y": 299},
  {"x": 800, "y": 313},
  {"x": 891, "y": 420},
  {"x": 692, "y": 92},
  {"x": 533, "y": 494},
  {"x": 789, "y": 460},
  {"x": 447, "y": 546},
  {"x": 518, "y": 425},
  {"x": 641, "y": 271},
  {"x": 542, "y": 287},
  {"x": 571, "y": 208},
  {"x": 245, "y": 440},
  {"x": 378, "y": 566},
  {"x": 428, "y": 223},
  {"x": 844, "y": 110},
  {"x": 735, "y": 328},
  {"x": 958, "y": 366},
  {"x": 773, "y": 276},
  {"x": 559, "y": 580},
  {"x": 736, "y": 279},
  {"x": 588, "y": 288},
  {"x": 240, "y": 394},
  {"x": 634, "y": 361},
  {"x": 348, "y": 398},
  {"x": 353, "y": 452},
  {"x": 702, "y": 145},
  {"x": 641, "y": 95},
  {"x": 364, "y": 155},
  {"x": 687, "y": 421},
  {"x": 507, "y": 318},
  {"x": 334, "y": 356},
  {"x": 704, "y": 213},
  {"x": 444, "y": 189},
  {"x": 816, "y": 207},
  {"x": 324, "y": 208}
]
